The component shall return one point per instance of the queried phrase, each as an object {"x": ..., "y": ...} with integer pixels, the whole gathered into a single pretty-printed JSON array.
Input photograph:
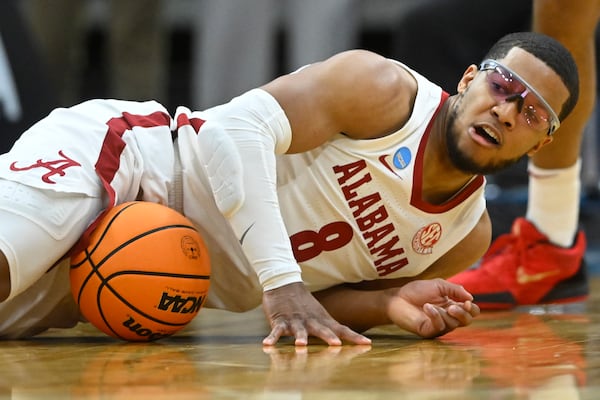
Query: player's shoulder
[
  {"x": 361, "y": 60},
  {"x": 370, "y": 68}
]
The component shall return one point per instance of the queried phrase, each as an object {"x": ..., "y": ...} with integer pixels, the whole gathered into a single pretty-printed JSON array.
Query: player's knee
[{"x": 4, "y": 277}]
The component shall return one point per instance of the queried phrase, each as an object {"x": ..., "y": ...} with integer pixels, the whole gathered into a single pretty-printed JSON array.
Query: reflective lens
[{"x": 506, "y": 85}]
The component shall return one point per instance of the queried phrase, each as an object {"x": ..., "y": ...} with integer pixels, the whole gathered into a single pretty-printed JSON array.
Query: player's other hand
[
  {"x": 431, "y": 308},
  {"x": 293, "y": 311}
]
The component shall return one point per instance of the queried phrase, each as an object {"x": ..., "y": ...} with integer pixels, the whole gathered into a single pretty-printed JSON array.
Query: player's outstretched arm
[
  {"x": 293, "y": 311},
  {"x": 428, "y": 308}
]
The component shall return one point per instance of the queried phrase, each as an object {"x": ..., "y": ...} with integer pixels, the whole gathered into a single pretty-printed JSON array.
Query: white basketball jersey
[{"x": 354, "y": 210}]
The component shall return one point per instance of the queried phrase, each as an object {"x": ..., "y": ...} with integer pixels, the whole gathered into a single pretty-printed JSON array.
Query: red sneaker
[{"x": 524, "y": 268}]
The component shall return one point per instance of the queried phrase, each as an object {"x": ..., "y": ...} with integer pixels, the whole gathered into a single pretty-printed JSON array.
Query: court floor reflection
[{"x": 538, "y": 353}]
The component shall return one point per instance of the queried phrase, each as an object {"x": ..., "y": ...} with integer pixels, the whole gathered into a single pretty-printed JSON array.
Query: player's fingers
[
  {"x": 471, "y": 308},
  {"x": 299, "y": 332},
  {"x": 441, "y": 321},
  {"x": 348, "y": 335},
  {"x": 453, "y": 291},
  {"x": 318, "y": 329},
  {"x": 450, "y": 322},
  {"x": 278, "y": 329},
  {"x": 435, "y": 320},
  {"x": 474, "y": 309},
  {"x": 461, "y": 314}
]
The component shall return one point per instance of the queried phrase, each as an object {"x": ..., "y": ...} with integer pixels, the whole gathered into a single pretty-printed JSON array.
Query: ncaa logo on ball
[{"x": 179, "y": 304}]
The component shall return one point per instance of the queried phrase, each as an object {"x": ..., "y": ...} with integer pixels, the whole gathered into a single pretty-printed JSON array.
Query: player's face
[
  {"x": 503, "y": 112},
  {"x": 507, "y": 86}
]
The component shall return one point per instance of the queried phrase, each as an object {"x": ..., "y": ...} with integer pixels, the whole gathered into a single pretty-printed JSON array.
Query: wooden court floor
[{"x": 539, "y": 353}]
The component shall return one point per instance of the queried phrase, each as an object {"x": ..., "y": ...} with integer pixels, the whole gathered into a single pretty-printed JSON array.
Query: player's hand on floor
[
  {"x": 431, "y": 308},
  {"x": 293, "y": 311}
]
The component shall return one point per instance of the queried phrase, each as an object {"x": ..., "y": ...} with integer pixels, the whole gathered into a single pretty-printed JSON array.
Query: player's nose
[{"x": 507, "y": 112}]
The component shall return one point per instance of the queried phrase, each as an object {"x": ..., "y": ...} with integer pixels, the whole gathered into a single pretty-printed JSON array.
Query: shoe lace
[{"x": 507, "y": 242}]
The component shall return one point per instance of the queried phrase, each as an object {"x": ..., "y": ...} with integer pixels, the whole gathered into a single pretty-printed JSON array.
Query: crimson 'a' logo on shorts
[
  {"x": 54, "y": 167},
  {"x": 426, "y": 238}
]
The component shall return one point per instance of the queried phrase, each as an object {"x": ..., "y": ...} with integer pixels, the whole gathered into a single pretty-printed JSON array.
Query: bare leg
[
  {"x": 573, "y": 23},
  {"x": 554, "y": 181}
]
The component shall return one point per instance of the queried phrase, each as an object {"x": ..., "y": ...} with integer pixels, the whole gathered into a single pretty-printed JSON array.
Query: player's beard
[{"x": 461, "y": 159}]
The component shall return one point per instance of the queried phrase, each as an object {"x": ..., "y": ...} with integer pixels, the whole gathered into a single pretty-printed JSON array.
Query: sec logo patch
[{"x": 426, "y": 238}]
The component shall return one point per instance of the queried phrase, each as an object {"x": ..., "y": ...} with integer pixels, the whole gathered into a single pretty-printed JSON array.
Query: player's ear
[
  {"x": 467, "y": 77},
  {"x": 542, "y": 143}
]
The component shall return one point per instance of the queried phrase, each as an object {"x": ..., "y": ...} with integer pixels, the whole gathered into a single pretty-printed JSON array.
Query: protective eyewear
[{"x": 506, "y": 85}]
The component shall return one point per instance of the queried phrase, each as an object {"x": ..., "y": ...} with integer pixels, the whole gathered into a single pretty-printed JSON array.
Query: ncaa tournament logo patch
[
  {"x": 426, "y": 238},
  {"x": 400, "y": 160}
]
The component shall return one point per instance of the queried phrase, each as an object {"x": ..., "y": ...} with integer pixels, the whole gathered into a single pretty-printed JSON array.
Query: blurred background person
[
  {"x": 25, "y": 92},
  {"x": 236, "y": 43},
  {"x": 136, "y": 53}
]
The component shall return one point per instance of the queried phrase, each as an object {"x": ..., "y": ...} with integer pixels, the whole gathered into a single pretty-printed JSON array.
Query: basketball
[{"x": 142, "y": 274}]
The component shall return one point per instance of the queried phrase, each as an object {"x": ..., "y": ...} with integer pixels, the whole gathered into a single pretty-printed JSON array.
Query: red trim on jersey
[
  {"x": 416, "y": 199},
  {"x": 184, "y": 120},
  {"x": 109, "y": 159}
]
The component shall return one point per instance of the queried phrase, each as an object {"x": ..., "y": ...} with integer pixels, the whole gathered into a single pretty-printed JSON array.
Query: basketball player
[
  {"x": 354, "y": 179},
  {"x": 541, "y": 260}
]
